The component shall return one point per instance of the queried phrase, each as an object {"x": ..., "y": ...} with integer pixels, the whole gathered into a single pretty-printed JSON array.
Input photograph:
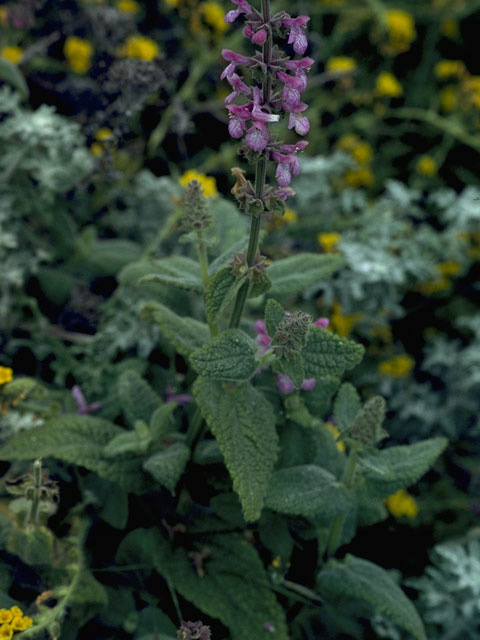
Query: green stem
[
  {"x": 339, "y": 521},
  {"x": 203, "y": 259}
]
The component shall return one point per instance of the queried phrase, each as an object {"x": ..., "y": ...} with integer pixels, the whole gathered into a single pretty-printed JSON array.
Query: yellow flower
[
  {"x": 6, "y": 374},
  {"x": 5, "y": 616},
  {"x": 360, "y": 150},
  {"x": 214, "y": 16},
  {"x": 335, "y": 433},
  {"x": 401, "y": 31},
  {"x": 434, "y": 286},
  {"x": 449, "y": 268},
  {"x": 402, "y": 504},
  {"x": 449, "y": 69},
  {"x": 14, "y": 54},
  {"x": 127, "y": 6},
  {"x": 20, "y": 623},
  {"x": 361, "y": 177},
  {"x": 341, "y": 324},
  {"x": 208, "y": 183},
  {"x": 426, "y": 166},
  {"x": 139, "y": 47},
  {"x": 328, "y": 241},
  {"x": 277, "y": 562},
  {"x": 290, "y": 217},
  {"x": 449, "y": 99},
  {"x": 397, "y": 367},
  {"x": 3, "y": 16},
  {"x": 173, "y": 3},
  {"x": 16, "y": 611},
  {"x": 340, "y": 64},
  {"x": 6, "y": 632},
  {"x": 102, "y": 137},
  {"x": 387, "y": 86},
  {"x": 450, "y": 28},
  {"x": 79, "y": 53}
]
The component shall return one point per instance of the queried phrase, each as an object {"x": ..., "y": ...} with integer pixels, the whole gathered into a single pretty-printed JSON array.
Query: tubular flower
[{"x": 251, "y": 110}]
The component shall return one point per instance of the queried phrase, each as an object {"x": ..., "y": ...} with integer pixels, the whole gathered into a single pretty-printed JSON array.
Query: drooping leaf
[
  {"x": 296, "y": 273},
  {"x": 327, "y": 354},
  {"x": 388, "y": 470},
  {"x": 77, "y": 440},
  {"x": 179, "y": 272},
  {"x": 243, "y": 423},
  {"x": 347, "y": 405},
  {"x": 229, "y": 356},
  {"x": 185, "y": 334},
  {"x": 221, "y": 291},
  {"x": 137, "y": 399},
  {"x": 360, "y": 579},
  {"x": 307, "y": 490},
  {"x": 167, "y": 466}
]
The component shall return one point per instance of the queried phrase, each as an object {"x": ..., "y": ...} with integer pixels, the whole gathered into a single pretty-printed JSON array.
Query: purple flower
[
  {"x": 321, "y": 322},
  {"x": 285, "y": 385},
  {"x": 308, "y": 384},
  {"x": 298, "y": 122},
  {"x": 82, "y": 406},
  {"x": 262, "y": 339},
  {"x": 180, "y": 398},
  {"x": 257, "y": 136},
  {"x": 243, "y": 7},
  {"x": 303, "y": 63},
  {"x": 284, "y": 193},
  {"x": 259, "y": 37},
  {"x": 297, "y": 35}
]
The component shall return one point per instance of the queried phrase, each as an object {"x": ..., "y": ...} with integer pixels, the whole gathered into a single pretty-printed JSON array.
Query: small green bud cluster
[
  {"x": 256, "y": 273},
  {"x": 195, "y": 211},
  {"x": 291, "y": 334}
]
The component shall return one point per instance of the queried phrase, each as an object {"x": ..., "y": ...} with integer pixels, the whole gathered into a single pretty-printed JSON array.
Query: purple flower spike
[
  {"x": 257, "y": 136},
  {"x": 236, "y": 58}
]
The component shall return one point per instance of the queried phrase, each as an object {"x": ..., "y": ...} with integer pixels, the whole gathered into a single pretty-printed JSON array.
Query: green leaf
[
  {"x": 33, "y": 545},
  {"x": 136, "y": 442},
  {"x": 296, "y": 273},
  {"x": 319, "y": 399},
  {"x": 307, "y": 490},
  {"x": 388, "y": 470},
  {"x": 207, "y": 452},
  {"x": 78, "y": 440},
  {"x": 274, "y": 315},
  {"x": 137, "y": 399},
  {"x": 220, "y": 293},
  {"x": 10, "y": 73},
  {"x": 167, "y": 466},
  {"x": 224, "y": 258},
  {"x": 291, "y": 367},
  {"x": 243, "y": 422},
  {"x": 327, "y": 354},
  {"x": 108, "y": 257},
  {"x": 229, "y": 356},
  {"x": 176, "y": 271},
  {"x": 185, "y": 334},
  {"x": 347, "y": 405},
  {"x": 367, "y": 426},
  {"x": 362, "y": 580},
  {"x": 160, "y": 422}
]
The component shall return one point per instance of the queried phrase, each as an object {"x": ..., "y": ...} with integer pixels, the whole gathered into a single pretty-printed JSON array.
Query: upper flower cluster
[{"x": 253, "y": 108}]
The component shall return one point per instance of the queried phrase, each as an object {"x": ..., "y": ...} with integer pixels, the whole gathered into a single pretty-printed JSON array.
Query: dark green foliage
[
  {"x": 326, "y": 354},
  {"x": 229, "y": 356}
]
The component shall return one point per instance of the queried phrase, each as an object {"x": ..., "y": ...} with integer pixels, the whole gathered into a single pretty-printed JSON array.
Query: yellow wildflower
[
  {"x": 20, "y": 623},
  {"x": 79, "y": 53},
  {"x": 340, "y": 64},
  {"x": 277, "y": 562},
  {"x": 214, "y": 15},
  {"x": 139, "y": 47},
  {"x": 328, "y": 241},
  {"x": 102, "y": 137},
  {"x": 6, "y": 374},
  {"x": 127, "y": 6},
  {"x": 434, "y": 286},
  {"x": 426, "y": 166},
  {"x": 450, "y": 28},
  {"x": 449, "y": 69},
  {"x": 208, "y": 183},
  {"x": 5, "y": 616},
  {"x": 14, "y": 54},
  {"x": 397, "y": 367},
  {"x": 361, "y": 177},
  {"x": 387, "y": 86},
  {"x": 16, "y": 611},
  {"x": 402, "y": 504},
  {"x": 342, "y": 324},
  {"x": 173, "y": 3},
  {"x": 360, "y": 150},
  {"x": 3, "y": 16},
  {"x": 290, "y": 217},
  {"x": 6, "y": 632},
  {"x": 449, "y": 99},
  {"x": 471, "y": 88},
  {"x": 401, "y": 31},
  {"x": 449, "y": 268},
  {"x": 335, "y": 433}
]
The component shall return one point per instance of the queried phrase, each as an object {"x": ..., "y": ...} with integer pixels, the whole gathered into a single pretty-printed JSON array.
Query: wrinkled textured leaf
[
  {"x": 229, "y": 356},
  {"x": 185, "y": 334},
  {"x": 360, "y": 579},
  {"x": 347, "y": 405},
  {"x": 274, "y": 315},
  {"x": 137, "y": 399},
  {"x": 167, "y": 466},
  {"x": 220, "y": 293},
  {"x": 243, "y": 422},
  {"x": 176, "y": 271},
  {"x": 327, "y": 354},
  {"x": 296, "y": 273}
]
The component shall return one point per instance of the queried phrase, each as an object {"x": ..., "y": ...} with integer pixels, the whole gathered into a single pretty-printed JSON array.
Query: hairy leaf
[
  {"x": 307, "y": 490},
  {"x": 137, "y": 399},
  {"x": 367, "y": 426},
  {"x": 167, "y": 466},
  {"x": 220, "y": 293},
  {"x": 291, "y": 367},
  {"x": 360, "y": 579},
  {"x": 243, "y": 422},
  {"x": 10, "y": 73},
  {"x": 274, "y": 315},
  {"x": 161, "y": 419},
  {"x": 347, "y": 405},
  {"x": 327, "y": 354},
  {"x": 296, "y": 273},
  {"x": 319, "y": 399},
  {"x": 176, "y": 271},
  {"x": 229, "y": 356},
  {"x": 185, "y": 334},
  {"x": 395, "y": 468}
]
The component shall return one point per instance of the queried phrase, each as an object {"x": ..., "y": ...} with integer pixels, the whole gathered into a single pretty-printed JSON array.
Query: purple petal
[
  {"x": 322, "y": 322},
  {"x": 259, "y": 326},
  {"x": 79, "y": 398},
  {"x": 257, "y": 138},
  {"x": 237, "y": 58},
  {"x": 259, "y": 37},
  {"x": 308, "y": 384},
  {"x": 284, "y": 384},
  {"x": 283, "y": 175},
  {"x": 300, "y": 123},
  {"x": 232, "y": 15},
  {"x": 304, "y": 63},
  {"x": 236, "y": 127},
  {"x": 284, "y": 193},
  {"x": 291, "y": 97},
  {"x": 299, "y": 40},
  {"x": 300, "y": 21}
]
